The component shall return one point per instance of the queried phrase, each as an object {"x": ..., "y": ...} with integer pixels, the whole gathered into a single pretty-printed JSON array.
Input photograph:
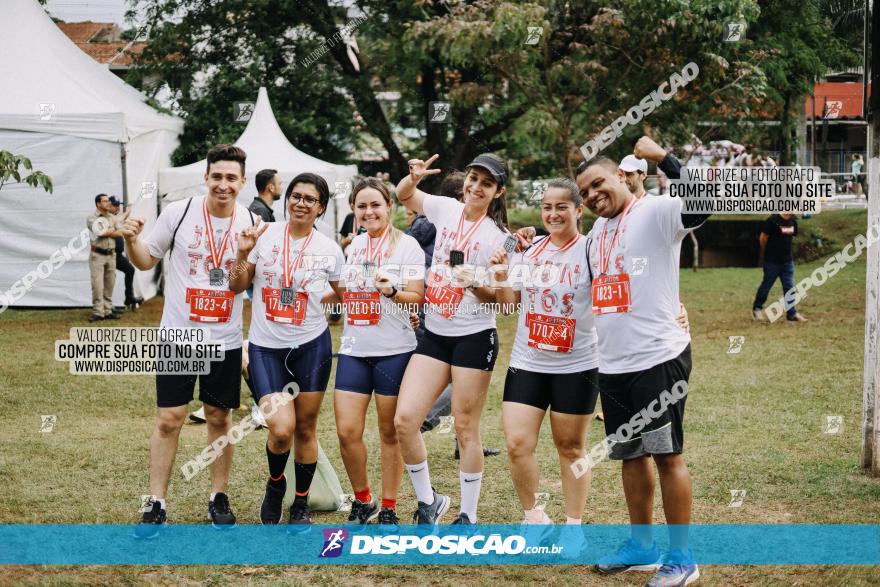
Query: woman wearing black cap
[{"x": 460, "y": 340}]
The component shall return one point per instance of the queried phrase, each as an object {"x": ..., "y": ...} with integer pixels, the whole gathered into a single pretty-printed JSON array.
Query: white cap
[{"x": 632, "y": 163}]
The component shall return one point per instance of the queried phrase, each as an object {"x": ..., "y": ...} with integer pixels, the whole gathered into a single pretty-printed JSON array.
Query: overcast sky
[{"x": 94, "y": 10}]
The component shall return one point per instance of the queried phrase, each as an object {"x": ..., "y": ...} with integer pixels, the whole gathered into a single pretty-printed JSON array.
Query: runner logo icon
[{"x": 334, "y": 539}]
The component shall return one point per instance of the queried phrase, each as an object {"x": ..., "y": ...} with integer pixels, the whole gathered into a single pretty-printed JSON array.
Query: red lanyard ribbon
[
  {"x": 216, "y": 257},
  {"x": 605, "y": 255},
  {"x": 374, "y": 253},
  {"x": 287, "y": 270},
  {"x": 543, "y": 245},
  {"x": 462, "y": 240}
]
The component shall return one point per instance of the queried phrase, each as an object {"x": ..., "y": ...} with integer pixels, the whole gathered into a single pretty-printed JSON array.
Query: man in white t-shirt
[
  {"x": 200, "y": 236},
  {"x": 644, "y": 357}
]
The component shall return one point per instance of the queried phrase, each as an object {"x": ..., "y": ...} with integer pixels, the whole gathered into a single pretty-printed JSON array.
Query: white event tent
[
  {"x": 266, "y": 148},
  {"x": 86, "y": 129}
]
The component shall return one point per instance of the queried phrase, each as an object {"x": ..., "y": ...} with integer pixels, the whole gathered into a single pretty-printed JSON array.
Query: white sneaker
[
  {"x": 571, "y": 538},
  {"x": 535, "y": 531},
  {"x": 758, "y": 315},
  {"x": 198, "y": 416},
  {"x": 258, "y": 417}
]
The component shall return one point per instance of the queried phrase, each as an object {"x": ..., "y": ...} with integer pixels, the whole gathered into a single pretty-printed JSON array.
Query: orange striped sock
[
  {"x": 389, "y": 503},
  {"x": 363, "y": 496}
]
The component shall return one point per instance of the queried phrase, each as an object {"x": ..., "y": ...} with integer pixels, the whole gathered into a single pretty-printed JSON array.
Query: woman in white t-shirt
[
  {"x": 460, "y": 340},
  {"x": 383, "y": 279},
  {"x": 290, "y": 265},
  {"x": 554, "y": 362}
]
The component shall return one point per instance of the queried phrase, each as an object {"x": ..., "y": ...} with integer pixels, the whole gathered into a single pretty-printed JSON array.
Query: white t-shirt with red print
[
  {"x": 555, "y": 332},
  {"x": 275, "y": 324},
  {"x": 190, "y": 299},
  {"x": 374, "y": 325},
  {"x": 647, "y": 251},
  {"x": 450, "y": 310}
]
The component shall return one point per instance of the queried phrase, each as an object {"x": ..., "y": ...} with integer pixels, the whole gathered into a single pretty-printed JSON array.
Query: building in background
[
  {"x": 835, "y": 125},
  {"x": 103, "y": 42}
]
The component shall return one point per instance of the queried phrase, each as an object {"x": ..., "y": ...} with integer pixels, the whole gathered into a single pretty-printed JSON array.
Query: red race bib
[
  {"x": 611, "y": 294},
  {"x": 550, "y": 333},
  {"x": 446, "y": 299},
  {"x": 293, "y": 314},
  {"x": 362, "y": 308},
  {"x": 209, "y": 305}
]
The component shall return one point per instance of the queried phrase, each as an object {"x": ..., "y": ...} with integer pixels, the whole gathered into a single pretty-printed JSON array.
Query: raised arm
[
  {"x": 137, "y": 252},
  {"x": 647, "y": 149},
  {"x": 242, "y": 275},
  {"x": 407, "y": 192}
]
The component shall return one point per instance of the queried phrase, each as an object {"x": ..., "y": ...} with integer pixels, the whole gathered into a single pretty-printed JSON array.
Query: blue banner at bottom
[{"x": 413, "y": 545}]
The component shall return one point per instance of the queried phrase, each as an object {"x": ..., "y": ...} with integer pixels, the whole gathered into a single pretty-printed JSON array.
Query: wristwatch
[{"x": 392, "y": 294}]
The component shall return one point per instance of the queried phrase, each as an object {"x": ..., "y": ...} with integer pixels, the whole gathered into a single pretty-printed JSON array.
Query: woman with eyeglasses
[
  {"x": 290, "y": 264},
  {"x": 383, "y": 278},
  {"x": 460, "y": 341}
]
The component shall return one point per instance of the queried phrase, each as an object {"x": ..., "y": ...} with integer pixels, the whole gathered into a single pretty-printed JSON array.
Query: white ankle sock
[
  {"x": 470, "y": 493},
  {"x": 421, "y": 480},
  {"x": 537, "y": 516},
  {"x": 213, "y": 495},
  {"x": 572, "y": 521}
]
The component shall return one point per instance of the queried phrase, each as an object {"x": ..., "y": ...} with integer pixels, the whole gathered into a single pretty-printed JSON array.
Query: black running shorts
[
  {"x": 564, "y": 393},
  {"x": 473, "y": 351},
  {"x": 644, "y": 410},
  {"x": 220, "y": 388}
]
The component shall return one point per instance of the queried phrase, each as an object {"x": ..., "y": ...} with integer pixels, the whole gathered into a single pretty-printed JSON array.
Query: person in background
[
  {"x": 856, "y": 166},
  {"x": 122, "y": 262},
  {"x": 268, "y": 184},
  {"x": 636, "y": 171},
  {"x": 102, "y": 259},
  {"x": 775, "y": 239}
]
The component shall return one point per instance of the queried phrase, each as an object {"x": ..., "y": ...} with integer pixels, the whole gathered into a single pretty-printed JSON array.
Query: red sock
[
  {"x": 389, "y": 503},
  {"x": 363, "y": 496}
]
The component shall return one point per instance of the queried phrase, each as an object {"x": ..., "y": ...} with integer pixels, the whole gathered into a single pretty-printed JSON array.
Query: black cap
[
  {"x": 493, "y": 164},
  {"x": 114, "y": 200}
]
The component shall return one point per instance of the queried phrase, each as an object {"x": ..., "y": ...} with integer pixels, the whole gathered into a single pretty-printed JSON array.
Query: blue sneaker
[
  {"x": 678, "y": 570},
  {"x": 630, "y": 557}
]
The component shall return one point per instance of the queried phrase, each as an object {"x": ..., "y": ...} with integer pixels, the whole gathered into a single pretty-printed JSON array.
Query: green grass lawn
[{"x": 754, "y": 423}]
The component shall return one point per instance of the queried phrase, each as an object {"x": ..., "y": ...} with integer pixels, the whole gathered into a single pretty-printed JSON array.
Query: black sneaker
[
  {"x": 270, "y": 510},
  {"x": 95, "y": 318},
  {"x": 431, "y": 514},
  {"x": 462, "y": 518},
  {"x": 362, "y": 513},
  {"x": 220, "y": 513},
  {"x": 388, "y": 517},
  {"x": 300, "y": 517},
  {"x": 487, "y": 452},
  {"x": 150, "y": 523}
]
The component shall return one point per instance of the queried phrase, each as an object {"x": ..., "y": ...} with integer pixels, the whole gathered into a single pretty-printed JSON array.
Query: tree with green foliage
[
  {"x": 530, "y": 79},
  {"x": 11, "y": 168},
  {"x": 218, "y": 54}
]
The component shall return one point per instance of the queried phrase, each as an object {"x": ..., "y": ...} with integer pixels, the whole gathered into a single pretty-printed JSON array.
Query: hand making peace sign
[
  {"x": 419, "y": 169},
  {"x": 247, "y": 239}
]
